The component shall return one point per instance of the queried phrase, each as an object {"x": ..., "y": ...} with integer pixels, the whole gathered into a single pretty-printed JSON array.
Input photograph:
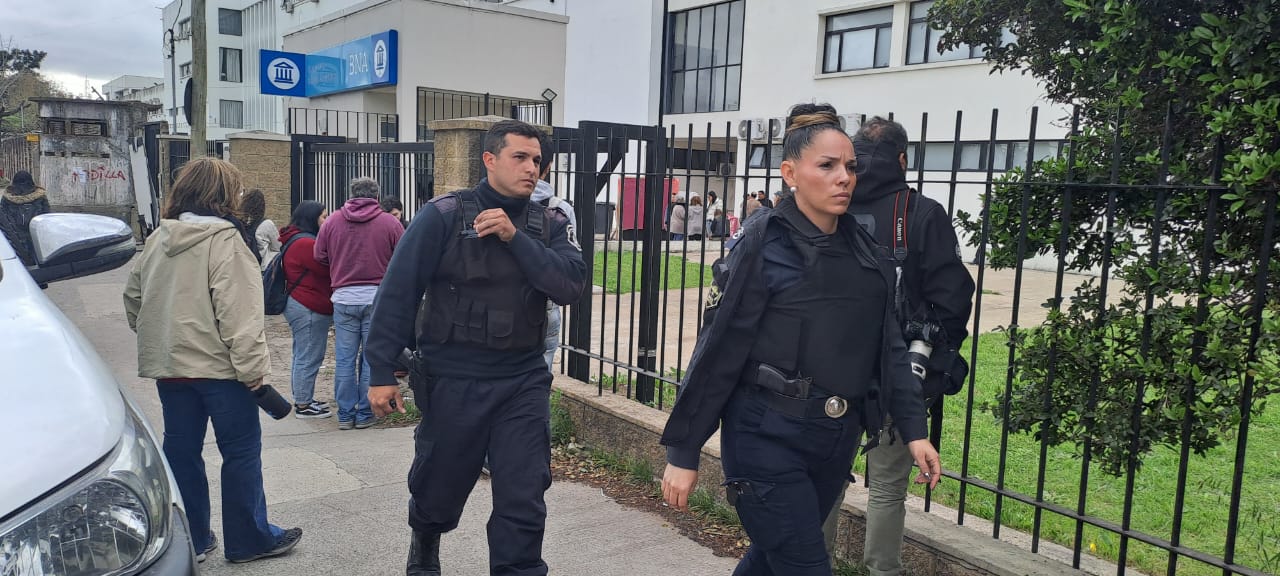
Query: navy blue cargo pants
[
  {"x": 784, "y": 473},
  {"x": 465, "y": 419}
]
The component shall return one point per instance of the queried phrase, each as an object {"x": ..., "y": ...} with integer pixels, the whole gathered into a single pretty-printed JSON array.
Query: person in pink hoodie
[{"x": 356, "y": 243}]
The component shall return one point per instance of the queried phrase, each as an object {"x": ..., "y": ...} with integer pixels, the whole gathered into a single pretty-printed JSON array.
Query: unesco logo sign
[
  {"x": 283, "y": 73},
  {"x": 380, "y": 59}
]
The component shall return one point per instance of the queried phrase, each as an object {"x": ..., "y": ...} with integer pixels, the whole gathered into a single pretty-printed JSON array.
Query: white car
[{"x": 84, "y": 487}]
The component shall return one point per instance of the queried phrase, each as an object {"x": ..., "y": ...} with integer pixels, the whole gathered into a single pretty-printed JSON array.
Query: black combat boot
[{"x": 424, "y": 555}]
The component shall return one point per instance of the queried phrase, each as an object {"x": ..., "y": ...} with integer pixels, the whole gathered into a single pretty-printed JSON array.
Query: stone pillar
[
  {"x": 264, "y": 159},
  {"x": 458, "y": 150}
]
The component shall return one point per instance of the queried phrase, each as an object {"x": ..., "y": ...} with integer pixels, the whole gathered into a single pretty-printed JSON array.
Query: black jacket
[
  {"x": 726, "y": 340},
  {"x": 17, "y": 208},
  {"x": 558, "y": 271},
  {"x": 936, "y": 282}
]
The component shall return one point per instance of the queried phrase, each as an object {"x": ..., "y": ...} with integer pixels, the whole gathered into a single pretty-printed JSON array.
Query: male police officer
[
  {"x": 935, "y": 315},
  {"x": 488, "y": 260}
]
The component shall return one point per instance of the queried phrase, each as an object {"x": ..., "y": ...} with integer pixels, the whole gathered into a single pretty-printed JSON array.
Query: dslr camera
[{"x": 921, "y": 335}]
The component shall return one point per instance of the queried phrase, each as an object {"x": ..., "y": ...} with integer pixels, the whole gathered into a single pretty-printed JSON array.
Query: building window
[
  {"x": 184, "y": 29},
  {"x": 184, "y": 70},
  {"x": 228, "y": 22},
  {"x": 88, "y": 128},
  {"x": 704, "y": 73},
  {"x": 923, "y": 39},
  {"x": 229, "y": 64},
  {"x": 231, "y": 114},
  {"x": 858, "y": 40},
  {"x": 55, "y": 126},
  {"x": 975, "y": 156},
  {"x": 760, "y": 154},
  {"x": 690, "y": 159}
]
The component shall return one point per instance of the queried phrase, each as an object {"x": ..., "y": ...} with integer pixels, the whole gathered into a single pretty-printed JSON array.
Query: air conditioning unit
[
  {"x": 756, "y": 127},
  {"x": 777, "y": 127}
]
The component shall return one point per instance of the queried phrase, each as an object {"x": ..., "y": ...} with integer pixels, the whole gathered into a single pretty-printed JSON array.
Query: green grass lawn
[
  {"x": 1208, "y": 493},
  {"x": 621, "y": 273}
]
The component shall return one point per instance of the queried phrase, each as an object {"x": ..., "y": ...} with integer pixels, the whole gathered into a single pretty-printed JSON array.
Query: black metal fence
[
  {"x": 436, "y": 104},
  {"x": 1178, "y": 283},
  {"x": 180, "y": 153},
  {"x": 364, "y": 127},
  {"x": 404, "y": 170}
]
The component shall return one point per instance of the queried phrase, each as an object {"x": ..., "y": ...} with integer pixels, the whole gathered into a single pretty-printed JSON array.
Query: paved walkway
[{"x": 346, "y": 489}]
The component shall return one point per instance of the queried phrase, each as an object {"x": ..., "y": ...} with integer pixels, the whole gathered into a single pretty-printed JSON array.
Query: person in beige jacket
[{"x": 195, "y": 300}]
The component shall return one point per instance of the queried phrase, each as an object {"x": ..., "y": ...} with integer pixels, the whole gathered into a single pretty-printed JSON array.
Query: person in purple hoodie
[{"x": 356, "y": 243}]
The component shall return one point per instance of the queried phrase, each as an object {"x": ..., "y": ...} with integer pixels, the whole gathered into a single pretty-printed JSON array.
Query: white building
[
  {"x": 148, "y": 89},
  {"x": 441, "y": 63},
  {"x": 750, "y": 60}
]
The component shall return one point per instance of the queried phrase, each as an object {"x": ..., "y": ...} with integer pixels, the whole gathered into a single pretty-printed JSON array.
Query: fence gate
[
  {"x": 625, "y": 166},
  {"x": 324, "y": 168}
]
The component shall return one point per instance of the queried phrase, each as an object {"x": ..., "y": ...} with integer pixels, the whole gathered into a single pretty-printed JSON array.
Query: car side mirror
[{"x": 69, "y": 245}]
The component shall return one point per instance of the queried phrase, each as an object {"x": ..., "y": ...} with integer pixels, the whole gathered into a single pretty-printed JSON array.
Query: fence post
[
  {"x": 584, "y": 198},
  {"x": 655, "y": 172}
]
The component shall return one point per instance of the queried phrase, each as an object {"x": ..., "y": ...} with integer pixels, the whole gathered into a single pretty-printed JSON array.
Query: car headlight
[{"x": 112, "y": 520}]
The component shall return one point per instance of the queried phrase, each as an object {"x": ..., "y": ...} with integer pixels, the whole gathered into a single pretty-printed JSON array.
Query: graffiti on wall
[{"x": 96, "y": 173}]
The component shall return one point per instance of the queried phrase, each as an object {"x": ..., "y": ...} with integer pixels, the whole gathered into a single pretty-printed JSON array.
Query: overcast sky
[{"x": 98, "y": 39}]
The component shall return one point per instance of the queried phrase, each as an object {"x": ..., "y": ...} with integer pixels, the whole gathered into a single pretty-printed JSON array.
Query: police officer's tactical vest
[
  {"x": 808, "y": 317},
  {"x": 479, "y": 296}
]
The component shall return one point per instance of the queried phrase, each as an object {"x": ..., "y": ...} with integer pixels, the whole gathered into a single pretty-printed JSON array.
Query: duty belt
[{"x": 817, "y": 403}]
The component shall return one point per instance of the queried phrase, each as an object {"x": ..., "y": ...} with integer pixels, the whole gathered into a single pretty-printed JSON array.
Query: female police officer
[{"x": 801, "y": 354}]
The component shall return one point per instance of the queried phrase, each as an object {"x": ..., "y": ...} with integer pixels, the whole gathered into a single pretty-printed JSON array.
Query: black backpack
[{"x": 275, "y": 287}]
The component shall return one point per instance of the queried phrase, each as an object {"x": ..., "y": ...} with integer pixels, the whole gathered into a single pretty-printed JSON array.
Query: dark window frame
[
  {"x": 1010, "y": 155},
  {"x": 223, "y": 72},
  {"x": 225, "y": 20},
  {"x": 715, "y": 98},
  {"x": 222, "y": 116},
  {"x": 930, "y": 39},
  {"x": 184, "y": 70},
  {"x": 880, "y": 28},
  {"x": 771, "y": 156}
]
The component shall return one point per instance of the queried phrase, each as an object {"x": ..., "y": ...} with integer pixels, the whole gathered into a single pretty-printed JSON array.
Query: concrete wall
[
  {"x": 90, "y": 173},
  {"x": 450, "y": 45}
]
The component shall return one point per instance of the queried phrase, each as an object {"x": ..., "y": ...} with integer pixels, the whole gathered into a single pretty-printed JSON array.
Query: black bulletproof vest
[
  {"x": 479, "y": 296},
  {"x": 828, "y": 327}
]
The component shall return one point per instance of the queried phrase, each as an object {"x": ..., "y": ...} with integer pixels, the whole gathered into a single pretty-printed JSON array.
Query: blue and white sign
[
  {"x": 361, "y": 64},
  {"x": 281, "y": 73}
]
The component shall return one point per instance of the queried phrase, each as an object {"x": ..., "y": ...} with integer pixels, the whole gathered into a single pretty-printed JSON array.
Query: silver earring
[{"x": 793, "y": 190}]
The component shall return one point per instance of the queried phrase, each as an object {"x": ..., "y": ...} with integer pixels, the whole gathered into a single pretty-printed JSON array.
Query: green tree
[
  {"x": 1180, "y": 92},
  {"x": 20, "y": 81}
]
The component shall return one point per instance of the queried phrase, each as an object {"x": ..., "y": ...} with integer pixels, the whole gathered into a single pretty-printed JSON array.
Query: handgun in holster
[{"x": 773, "y": 379}]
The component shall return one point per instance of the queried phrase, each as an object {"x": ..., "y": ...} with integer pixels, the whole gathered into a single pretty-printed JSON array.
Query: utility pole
[{"x": 200, "y": 79}]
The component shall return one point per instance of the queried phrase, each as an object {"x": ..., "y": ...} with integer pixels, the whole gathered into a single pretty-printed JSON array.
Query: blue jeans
[
  {"x": 553, "y": 335},
  {"x": 310, "y": 341},
  {"x": 188, "y": 406},
  {"x": 350, "y": 389}
]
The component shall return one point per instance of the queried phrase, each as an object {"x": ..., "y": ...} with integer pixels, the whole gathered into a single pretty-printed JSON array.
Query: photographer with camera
[{"x": 935, "y": 297}]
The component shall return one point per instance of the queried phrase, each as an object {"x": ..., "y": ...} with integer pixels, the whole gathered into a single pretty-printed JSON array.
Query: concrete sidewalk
[{"x": 347, "y": 490}]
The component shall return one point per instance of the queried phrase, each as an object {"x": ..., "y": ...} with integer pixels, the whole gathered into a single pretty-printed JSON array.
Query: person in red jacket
[{"x": 309, "y": 310}]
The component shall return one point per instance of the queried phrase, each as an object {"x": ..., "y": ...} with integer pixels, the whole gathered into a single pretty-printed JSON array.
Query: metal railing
[
  {"x": 404, "y": 170},
  {"x": 634, "y": 334},
  {"x": 436, "y": 104},
  {"x": 364, "y": 127},
  {"x": 180, "y": 153}
]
